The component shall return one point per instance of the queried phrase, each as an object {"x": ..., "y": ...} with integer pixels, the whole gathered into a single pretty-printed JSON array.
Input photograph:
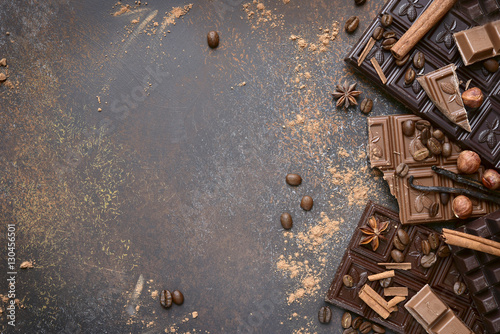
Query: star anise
[
  {"x": 346, "y": 95},
  {"x": 374, "y": 231}
]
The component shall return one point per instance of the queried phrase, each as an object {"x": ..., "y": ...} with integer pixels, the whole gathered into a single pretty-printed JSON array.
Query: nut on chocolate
[{"x": 473, "y": 97}]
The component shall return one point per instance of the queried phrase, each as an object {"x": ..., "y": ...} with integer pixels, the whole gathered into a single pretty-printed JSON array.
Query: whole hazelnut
[
  {"x": 462, "y": 207},
  {"x": 468, "y": 162},
  {"x": 473, "y": 97},
  {"x": 491, "y": 179}
]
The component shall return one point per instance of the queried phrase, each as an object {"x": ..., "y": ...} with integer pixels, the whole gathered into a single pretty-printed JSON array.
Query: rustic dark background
[{"x": 180, "y": 186}]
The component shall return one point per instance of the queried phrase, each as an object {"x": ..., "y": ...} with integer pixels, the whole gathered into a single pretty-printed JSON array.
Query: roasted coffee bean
[
  {"x": 165, "y": 299},
  {"x": 433, "y": 209},
  {"x": 346, "y": 320},
  {"x": 459, "y": 288},
  {"x": 293, "y": 179},
  {"x": 421, "y": 154},
  {"x": 365, "y": 327},
  {"x": 418, "y": 60},
  {"x": 438, "y": 134},
  {"x": 213, "y": 39},
  {"x": 402, "y": 170},
  {"x": 306, "y": 203},
  {"x": 428, "y": 260},
  {"x": 403, "y": 237},
  {"x": 351, "y": 24},
  {"x": 433, "y": 240},
  {"x": 350, "y": 331},
  {"x": 359, "y": 2},
  {"x": 378, "y": 329},
  {"x": 325, "y": 315},
  {"x": 422, "y": 124},
  {"x": 378, "y": 33},
  {"x": 426, "y": 247},
  {"x": 446, "y": 150},
  {"x": 389, "y": 34},
  {"x": 348, "y": 281},
  {"x": 397, "y": 256},
  {"x": 398, "y": 244},
  {"x": 408, "y": 128},
  {"x": 387, "y": 44},
  {"x": 425, "y": 135},
  {"x": 409, "y": 76},
  {"x": 443, "y": 251},
  {"x": 366, "y": 105},
  {"x": 434, "y": 146},
  {"x": 286, "y": 220},
  {"x": 386, "y": 282},
  {"x": 356, "y": 322},
  {"x": 444, "y": 198},
  {"x": 491, "y": 65},
  {"x": 403, "y": 61},
  {"x": 177, "y": 297},
  {"x": 386, "y": 20}
]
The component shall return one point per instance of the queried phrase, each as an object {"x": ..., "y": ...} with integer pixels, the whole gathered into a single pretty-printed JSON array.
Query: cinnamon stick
[
  {"x": 394, "y": 265},
  {"x": 396, "y": 291},
  {"x": 394, "y": 301},
  {"x": 379, "y": 71},
  {"x": 366, "y": 50},
  {"x": 382, "y": 275},
  {"x": 428, "y": 19},
  {"x": 469, "y": 241},
  {"x": 375, "y": 301}
]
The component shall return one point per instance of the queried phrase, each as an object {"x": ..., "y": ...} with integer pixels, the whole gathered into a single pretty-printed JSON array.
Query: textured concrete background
[{"x": 180, "y": 187}]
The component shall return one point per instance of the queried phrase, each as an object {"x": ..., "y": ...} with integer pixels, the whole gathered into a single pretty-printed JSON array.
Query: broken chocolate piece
[{"x": 479, "y": 43}]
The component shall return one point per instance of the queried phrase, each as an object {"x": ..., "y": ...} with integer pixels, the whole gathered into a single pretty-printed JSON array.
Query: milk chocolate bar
[
  {"x": 389, "y": 148},
  {"x": 434, "y": 315},
  {"x": 439, "y": 49},
  {"x": 481, "y": 271},
  {"x": 479, "y": 43},
  {"x": 360, "y": 261}
]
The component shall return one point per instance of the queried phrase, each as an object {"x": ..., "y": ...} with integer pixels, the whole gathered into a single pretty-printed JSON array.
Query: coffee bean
[
  {"x": 389, "y": 34},
  {"x": 402, "y": 170},
  {"x": 351, "y": 24},
  {"x": 409, "y": 76},
  {"x": 434, "y": 146},
  {"x": 378, "y": 33},
  {"x": 306, "y": 203},
  {"x": 398, "y": 244},
  {"x": 386, "y": 20},
  {"x": 433, "y": 240},
  {"x": 286, "y": 220},
  {"x": 359, "y": 2},
  {"x": 387, "y": 44},
  {"x": 365, "y": 327},
  {"x": 428, "y": 260},
  {"x": 444, "y": 198},
  {"x": 378, "y": 329},
  {"x": 213, "y": 39},
  {"x": 438, "y": 134},
  {"x": 293, "y": 179},
  {"x": 165, "y": 299},
  {"x": 408, "y": 128},
  {"x": 350, "y": 331},
  {"x": 443, "y": 251},
  {"x": 403, "y": 237},
  {"x": 366, "y": 105},
  {"x": 397, "y": 256},
  {"x": 357, "y": 322},
  {"x": 425, "y": 135},
  {"x": 348, "y": 281},
  {"x": 419, "y": 60},
  {"x": 325, "y": 315},
  {"x": 422, "y": 124},
  {"x": 433, "y": 209},
  {"x": 421, "y": 154},
  {"x": 403, "y": 61},
  {"x": 386, "y": 282},
  {"x": 426, "y": 247},
  {"x": 491, "y": 65},
  {"x": 446, "y": 150},
  {"x": 346, "y": 320},
  {"x": 177, "y": 297},
  {"x": 459, "y": 288}
]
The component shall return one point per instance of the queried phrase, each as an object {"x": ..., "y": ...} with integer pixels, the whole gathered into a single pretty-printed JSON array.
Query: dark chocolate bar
[
  {"x": 439, "y": 49},
  {"x": 478, "y": 43},
  {"x": 481, "y": 271},
  {"x": 360, "y": 261},
  {"x": 481, "y": 11}
]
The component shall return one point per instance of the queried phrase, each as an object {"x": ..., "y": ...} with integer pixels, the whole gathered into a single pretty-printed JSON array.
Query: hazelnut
[
  {"x": 491, "y": 179},
  {"x": 462, "y": 207},
  {"x": 468, "y": 162},
  {"x": 473, "y": 97}
]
